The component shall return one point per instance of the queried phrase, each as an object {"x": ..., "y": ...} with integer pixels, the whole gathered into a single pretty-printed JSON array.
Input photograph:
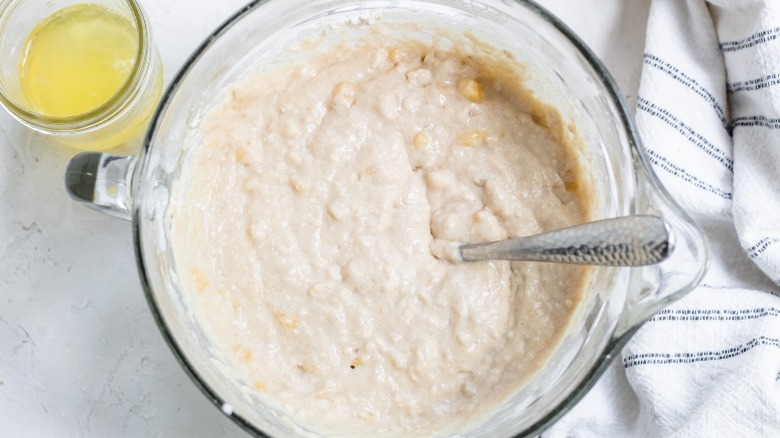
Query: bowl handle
[
  {"x": 102, "y": 182},
  {"x": 654, "y": 287}
]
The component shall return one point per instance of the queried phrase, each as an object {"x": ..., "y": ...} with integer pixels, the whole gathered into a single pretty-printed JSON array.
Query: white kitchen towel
[{"x": 708, "y": 112}]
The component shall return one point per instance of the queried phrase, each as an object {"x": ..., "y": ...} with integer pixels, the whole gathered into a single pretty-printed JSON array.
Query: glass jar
[
  {"x": 120, "y": 118},
  {"x": 561, "y": 71}
]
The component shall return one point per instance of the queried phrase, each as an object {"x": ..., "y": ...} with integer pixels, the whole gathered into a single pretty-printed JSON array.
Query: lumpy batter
[{"x": 318, "y": 220}]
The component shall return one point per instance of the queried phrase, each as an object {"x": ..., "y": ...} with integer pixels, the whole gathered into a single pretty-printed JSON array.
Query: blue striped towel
[{"x": 708, "y": 111}]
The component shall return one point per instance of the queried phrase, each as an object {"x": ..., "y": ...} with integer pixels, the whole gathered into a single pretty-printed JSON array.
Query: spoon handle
[{"x": 623, "y": 241}]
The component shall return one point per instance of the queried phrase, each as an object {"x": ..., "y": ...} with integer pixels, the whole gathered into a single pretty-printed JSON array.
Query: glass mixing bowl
[{"x": 561, "y": 71}]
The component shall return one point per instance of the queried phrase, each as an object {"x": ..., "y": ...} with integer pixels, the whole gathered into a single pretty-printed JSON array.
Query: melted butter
[{"x": 77, "y": 59}]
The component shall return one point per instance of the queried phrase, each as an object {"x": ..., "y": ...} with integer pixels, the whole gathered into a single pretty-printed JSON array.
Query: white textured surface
[{"x": 79, "y": 352}]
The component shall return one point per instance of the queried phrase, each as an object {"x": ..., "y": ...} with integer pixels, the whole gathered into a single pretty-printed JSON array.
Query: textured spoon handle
[{"x": 623, "y": 241}]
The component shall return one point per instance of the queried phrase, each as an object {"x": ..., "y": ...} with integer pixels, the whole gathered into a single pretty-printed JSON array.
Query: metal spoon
[{"x": 623, "y": 241}]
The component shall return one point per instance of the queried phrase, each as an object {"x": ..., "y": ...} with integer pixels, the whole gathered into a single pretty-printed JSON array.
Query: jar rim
[{"x": 90, "y": 119}]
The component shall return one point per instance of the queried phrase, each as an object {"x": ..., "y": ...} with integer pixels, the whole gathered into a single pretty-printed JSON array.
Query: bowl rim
[{"x": 625, "y": 122}]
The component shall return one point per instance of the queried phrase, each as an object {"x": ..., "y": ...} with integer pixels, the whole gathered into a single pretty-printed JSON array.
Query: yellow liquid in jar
[{"x": 77, "y": 59}]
